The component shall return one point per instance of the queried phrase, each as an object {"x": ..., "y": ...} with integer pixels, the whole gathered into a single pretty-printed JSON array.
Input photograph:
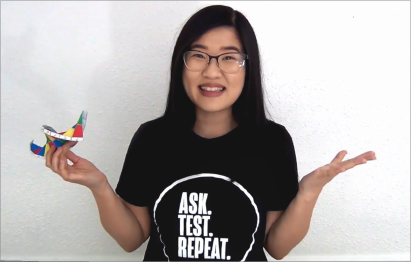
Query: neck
[{"x": 211, "y": 125}]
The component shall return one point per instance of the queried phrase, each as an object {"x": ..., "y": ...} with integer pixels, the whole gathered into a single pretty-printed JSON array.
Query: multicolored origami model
[{"x": 58, "y": 139}]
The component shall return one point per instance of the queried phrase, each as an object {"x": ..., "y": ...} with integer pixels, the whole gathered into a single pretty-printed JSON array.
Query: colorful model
[{"x": 58, "y": 139}]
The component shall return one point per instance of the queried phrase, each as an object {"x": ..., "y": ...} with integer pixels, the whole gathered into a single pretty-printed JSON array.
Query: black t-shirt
[{"x": 208, "y": 198}]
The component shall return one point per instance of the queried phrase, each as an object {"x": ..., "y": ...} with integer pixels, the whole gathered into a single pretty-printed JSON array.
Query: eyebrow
[{"x": 225, "y": 48}]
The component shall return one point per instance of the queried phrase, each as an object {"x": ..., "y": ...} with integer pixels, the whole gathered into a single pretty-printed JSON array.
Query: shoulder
[
  {"x": 275, "y": 132},
  {"x": 273, "y": 127},
  {"x": 274, "y": 139},
  {"x": 152, "y": 125},
  {"x": 152, "y": 128},
  {"x": 149, "y": 132}
]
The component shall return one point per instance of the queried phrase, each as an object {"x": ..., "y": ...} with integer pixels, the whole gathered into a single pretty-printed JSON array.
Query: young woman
[{"x": 213, "y": 178}]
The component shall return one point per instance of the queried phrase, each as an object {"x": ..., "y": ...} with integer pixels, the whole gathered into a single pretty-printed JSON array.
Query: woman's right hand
[{"x": 81, "y": 172}]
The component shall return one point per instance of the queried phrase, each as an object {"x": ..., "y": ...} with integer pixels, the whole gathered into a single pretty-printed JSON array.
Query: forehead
[{"x": 219, "y": 39}]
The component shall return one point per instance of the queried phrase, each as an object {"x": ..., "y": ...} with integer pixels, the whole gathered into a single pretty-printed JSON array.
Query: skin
[
  {"x": 214, "y": 114},
  {"x": 286, "y": 229},
  {"x": 130, "y": 225}
]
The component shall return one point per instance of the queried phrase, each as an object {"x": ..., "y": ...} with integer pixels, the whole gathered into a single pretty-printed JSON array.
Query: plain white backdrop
[{"x": 336, "y": 74}]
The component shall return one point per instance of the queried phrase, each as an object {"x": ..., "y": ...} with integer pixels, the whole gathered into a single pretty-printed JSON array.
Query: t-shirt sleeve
[
  {"x": 133, "y": 182},
  {"x": 284, "y": 183}
]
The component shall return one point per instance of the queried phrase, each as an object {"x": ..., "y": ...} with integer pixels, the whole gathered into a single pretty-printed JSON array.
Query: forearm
[
  {"x": 291, "y": 227},
  {"x": 117, "y": 219}
]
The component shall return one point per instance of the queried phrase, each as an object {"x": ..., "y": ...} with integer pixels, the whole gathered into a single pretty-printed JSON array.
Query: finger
[
  {"x": 370, "y": 155},
  {"x": 363, "y": 158},
  {"x": 49, "y": 155},
  {"x": 359, "y": 160},
  {"x": 64, "y": 168},
  {"x": 55, "y": 160},
  {"x": 68, "y": 145},
  {"x": 339, "y": 157}
]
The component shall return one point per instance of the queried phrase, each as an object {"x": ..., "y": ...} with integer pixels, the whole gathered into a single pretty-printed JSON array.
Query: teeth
[{"x": 206, "y": 88}]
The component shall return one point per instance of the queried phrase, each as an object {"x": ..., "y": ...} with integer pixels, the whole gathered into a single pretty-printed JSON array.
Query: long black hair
[{"x": 249, "y": 108}]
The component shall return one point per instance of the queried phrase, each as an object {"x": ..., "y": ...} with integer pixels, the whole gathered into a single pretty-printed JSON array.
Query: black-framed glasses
[{"x": 230, "y": 63}]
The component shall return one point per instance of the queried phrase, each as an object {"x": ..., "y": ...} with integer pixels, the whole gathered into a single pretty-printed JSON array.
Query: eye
[
  {"x": 228, "y": 58},
  {"x": 198, "y": 55}
]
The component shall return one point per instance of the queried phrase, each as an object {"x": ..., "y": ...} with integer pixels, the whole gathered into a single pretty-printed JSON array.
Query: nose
[{"x": 212, "y": 70}]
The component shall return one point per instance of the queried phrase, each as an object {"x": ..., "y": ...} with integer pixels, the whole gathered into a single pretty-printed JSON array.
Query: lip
[
  {"x": 211, "y": 93},
  {"x": 211, "y": 85}
]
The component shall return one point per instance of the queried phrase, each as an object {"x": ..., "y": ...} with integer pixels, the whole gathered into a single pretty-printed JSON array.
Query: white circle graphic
[{"x": 246, "y": 193}]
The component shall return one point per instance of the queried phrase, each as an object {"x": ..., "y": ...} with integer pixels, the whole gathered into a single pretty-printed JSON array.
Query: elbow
[
  {"x": 278, "y": 257},
  {"x": 277, "y": 254},
  {"x": 131, "y": 245},
  {"x": 129, "y": 249}
]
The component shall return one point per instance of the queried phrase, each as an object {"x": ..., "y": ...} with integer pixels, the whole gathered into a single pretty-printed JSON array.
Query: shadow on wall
[
  {"x": 18, "y": 72},
  {"x": 131, "y": 86}
]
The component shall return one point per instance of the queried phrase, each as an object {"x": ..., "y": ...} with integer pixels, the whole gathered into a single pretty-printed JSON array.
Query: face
[{"x": 213, "y": 90}]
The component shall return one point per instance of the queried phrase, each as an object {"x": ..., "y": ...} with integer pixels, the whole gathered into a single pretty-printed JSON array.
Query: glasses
[{"x": 230, "y": 63}]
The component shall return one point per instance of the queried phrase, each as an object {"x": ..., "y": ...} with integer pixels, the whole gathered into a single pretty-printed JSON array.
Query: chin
[{"x": 213, "y": 108}]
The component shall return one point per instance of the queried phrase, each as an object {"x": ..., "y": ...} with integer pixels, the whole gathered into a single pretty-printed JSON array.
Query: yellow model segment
[{"x": 69, "y": 133}]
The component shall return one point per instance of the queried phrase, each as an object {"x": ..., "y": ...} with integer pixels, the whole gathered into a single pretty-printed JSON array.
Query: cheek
[
  {"x": 188, "y": 82},
  {"x": 189, "y": 76},
  {"x": 237, "y": 84}
]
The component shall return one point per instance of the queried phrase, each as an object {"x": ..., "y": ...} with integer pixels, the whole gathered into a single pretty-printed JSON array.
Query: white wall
[{"x": 336, "y": 73}]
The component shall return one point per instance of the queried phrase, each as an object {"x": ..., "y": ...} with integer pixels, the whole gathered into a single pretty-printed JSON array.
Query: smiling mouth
[{"x": 212, "y": 89}]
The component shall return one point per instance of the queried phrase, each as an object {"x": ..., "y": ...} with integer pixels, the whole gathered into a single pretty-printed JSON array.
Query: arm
[
  {"x": 288, "y": 215},
  {"x": 291, "y": 226},
  {"x": 129, "y": 225},
  {"x": 291, "y": 203},
  {"x": 123, "y": 212}
]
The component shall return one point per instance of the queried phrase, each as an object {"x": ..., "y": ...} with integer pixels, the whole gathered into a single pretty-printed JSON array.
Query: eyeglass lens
[{"x": 198, "y": 61}]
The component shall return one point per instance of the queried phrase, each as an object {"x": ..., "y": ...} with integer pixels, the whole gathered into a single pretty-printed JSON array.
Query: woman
[{"x": 213, "y": 178}]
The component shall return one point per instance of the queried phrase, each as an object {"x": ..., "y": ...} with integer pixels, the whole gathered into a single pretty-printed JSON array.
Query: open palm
[{"x": 314, "y": 182}]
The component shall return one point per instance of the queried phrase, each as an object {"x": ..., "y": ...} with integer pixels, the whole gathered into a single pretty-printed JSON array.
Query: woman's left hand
[{"x": 312, "y": 184}]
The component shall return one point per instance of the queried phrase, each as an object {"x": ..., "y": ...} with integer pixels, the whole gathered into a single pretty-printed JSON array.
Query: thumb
[
  {"x": 339, "y": 157},
  {"x": 72, "y": 143},
  {"x": 72, "y": 157},
  {"x": 69, "y": 144}
]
